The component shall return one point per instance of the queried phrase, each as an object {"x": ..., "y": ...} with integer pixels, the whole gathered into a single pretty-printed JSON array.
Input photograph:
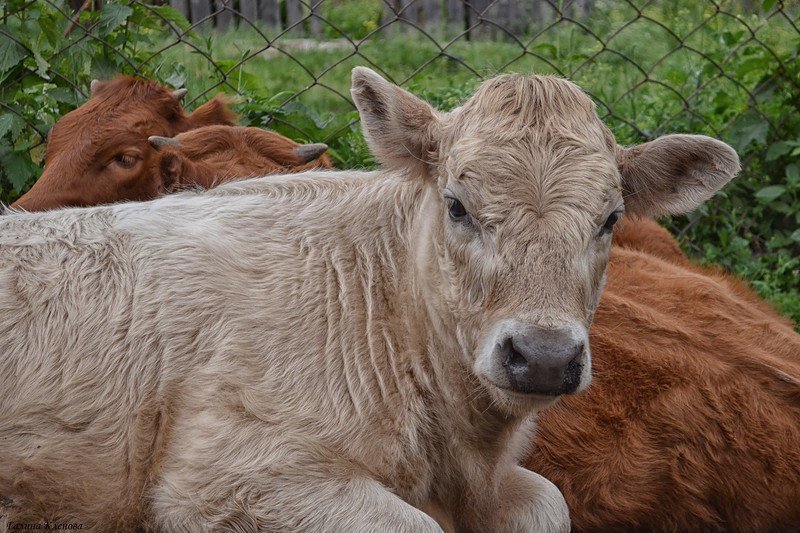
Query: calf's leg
[
  {"x": 523, "y": 501},
  {"x": 223, "y": 472},
  {"x": 313, "y": 504}
]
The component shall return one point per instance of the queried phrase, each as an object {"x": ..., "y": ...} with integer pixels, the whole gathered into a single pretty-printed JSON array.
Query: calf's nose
[{"x": 544, "y": 361}]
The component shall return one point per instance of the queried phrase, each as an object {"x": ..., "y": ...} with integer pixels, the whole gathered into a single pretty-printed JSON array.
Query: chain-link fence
[{"x": 628, "y": 55}]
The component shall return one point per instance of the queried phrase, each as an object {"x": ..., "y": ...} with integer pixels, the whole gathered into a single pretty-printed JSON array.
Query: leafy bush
[{"x": 753, "y": 227}]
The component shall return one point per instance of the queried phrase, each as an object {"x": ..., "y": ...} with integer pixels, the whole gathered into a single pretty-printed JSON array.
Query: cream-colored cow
[{"x": 342, "y": 351}]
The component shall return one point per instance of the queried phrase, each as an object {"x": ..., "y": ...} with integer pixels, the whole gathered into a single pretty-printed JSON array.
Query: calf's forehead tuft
[
  {"x": 529, "y": 96},
  {"x": 506, "y": 106}
]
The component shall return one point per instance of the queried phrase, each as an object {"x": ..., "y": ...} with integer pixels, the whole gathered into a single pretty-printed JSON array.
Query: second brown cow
[
  {"x": 99, "y": 153},
  {"x": 214, "y": 154}
]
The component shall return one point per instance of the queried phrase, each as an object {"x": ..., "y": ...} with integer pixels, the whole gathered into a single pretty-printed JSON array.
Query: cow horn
[
  {"x": 178, "y": 94},
  {"x": 160, "y": 142},
  {"x": 93, "y": 86},
  {"x": 309, "y": 152}
]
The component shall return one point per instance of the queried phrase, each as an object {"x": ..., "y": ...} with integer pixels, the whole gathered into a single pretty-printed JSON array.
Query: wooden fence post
[
  {"x": 249, "y": 10},
  {"x": 270, "y": 12},
  {"x": 432, "y": 15},
  {"x": 224, "y": 16},
  {"x": 200, "y": 10},
  {"x": 315, "y": 22},
  {"x": 294, "y": 13}
]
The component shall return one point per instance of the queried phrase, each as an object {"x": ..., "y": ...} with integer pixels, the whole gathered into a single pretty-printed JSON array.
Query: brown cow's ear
[
  {"x": 170, "y": 167},
  {"x": 215, "y": 111},
  {"x": 96, "y": 86},
  {"x": 402, "y": 131},
  {"x": 179, "y": 94},
  {"x": 674, "y": 174},
  {"x": 309, "y": 152}
]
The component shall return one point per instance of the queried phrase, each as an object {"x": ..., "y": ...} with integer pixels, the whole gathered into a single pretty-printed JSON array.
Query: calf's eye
[
  {"x": 456, "y": 209},
  {"x": 610, "y": 221},
  {"x": 125, "y": 161}
]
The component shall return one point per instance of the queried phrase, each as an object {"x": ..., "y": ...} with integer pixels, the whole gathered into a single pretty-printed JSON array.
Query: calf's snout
[{"x": 543, "y": 361}]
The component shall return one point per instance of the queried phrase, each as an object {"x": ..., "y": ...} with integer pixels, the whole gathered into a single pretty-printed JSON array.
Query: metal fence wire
[{"x": 651, "y": 66}]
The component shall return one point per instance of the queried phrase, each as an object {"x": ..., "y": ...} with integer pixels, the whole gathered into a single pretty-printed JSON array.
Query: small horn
[
  {"x": 160, "y": 142},
  {"x": 178, "y": 94},
  {"x": 309, "y": 152},
  {"x": 94, "y": 86}
]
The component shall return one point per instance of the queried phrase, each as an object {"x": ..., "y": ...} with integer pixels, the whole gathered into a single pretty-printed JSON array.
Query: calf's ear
[
  {"x": 215, "y": 111},
  {"x": 402, "y": 130},
  {"x": 674, "y": 174}
]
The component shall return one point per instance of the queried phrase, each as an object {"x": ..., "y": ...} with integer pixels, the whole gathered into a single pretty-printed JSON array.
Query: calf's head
[
  {"x": 213, "y": 154},
  {"x": 525, "y": 184},
  {"x": 99, "y": 153}
]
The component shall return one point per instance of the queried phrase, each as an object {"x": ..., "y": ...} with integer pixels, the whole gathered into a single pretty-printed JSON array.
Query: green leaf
[
  {"x": 9, "y": 122},
  {"x": 776, "y": 150},
  {"x": 768, "y": 194},
  {"x": 112, "y": 17},
  {"x": 546, "y": 47},
  {"x": 6, "y": 121},
  {"x": 795, "y": 236},
  {"x": 19, "y": 170},
  {"x": 42, "y": 66},
  {"x": 173, "y": 15},
  {"x": 11, "y": 53},
  {"x": 792, "y": 173},
  {"x": 767, "y": 4},
  {"x": 747, "y": 129}
]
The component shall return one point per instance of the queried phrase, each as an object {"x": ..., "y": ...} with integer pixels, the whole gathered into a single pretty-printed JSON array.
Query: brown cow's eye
[
  {"x": 610, "y": 221},
  {"x": 125, "y": 161},
  {"x": 456, "y": 209}
]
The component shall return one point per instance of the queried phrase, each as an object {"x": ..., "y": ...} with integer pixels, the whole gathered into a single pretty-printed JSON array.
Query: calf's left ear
[{"x": 674, "y": 174}]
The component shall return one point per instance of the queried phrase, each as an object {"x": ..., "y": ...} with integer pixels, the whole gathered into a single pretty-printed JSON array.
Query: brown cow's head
[
  {"x": 214, "y": 154},
  {"x": 99, "y": 153},
  {"x": 523, "y": 186}
]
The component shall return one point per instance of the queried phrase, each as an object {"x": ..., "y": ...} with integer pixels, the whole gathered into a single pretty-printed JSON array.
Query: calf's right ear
[
  {"x": 402, "y": 130},
  {"x": 674, "y": 174}
]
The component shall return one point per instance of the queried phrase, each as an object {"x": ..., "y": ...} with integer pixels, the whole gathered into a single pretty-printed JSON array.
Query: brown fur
[
  {"x": 692, "y": 421},
  {"x": 214, "y": 154},
  {"x": 98, "y": 153},
  {"x": 646, "y": 235}
]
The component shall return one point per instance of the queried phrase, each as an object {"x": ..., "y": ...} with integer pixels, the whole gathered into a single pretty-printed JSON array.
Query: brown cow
[
  {"x": 215, "y": 154},
  {"x": 692, "y": 421},
  {"x": 646, "y": 235},
  {"x": 96, "y": 153}
]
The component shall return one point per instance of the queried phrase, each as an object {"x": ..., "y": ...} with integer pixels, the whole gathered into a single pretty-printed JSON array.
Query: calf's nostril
[
  {"x": 513, "y": 358},
  {"x": 572, "y": 375}
]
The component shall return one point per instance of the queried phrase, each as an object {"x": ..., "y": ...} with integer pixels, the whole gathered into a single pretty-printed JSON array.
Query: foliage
[
  {"x": 698, "y": 67},
  {"x": 353, "y": 19},
  {"x": 44, "y": 74}
]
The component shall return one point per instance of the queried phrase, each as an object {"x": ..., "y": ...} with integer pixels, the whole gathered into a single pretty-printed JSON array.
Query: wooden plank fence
[{"x": 474, "y": 18}]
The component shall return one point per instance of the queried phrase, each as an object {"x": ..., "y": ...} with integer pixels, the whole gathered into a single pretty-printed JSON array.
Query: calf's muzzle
[{"x": 545, "y": 362}]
